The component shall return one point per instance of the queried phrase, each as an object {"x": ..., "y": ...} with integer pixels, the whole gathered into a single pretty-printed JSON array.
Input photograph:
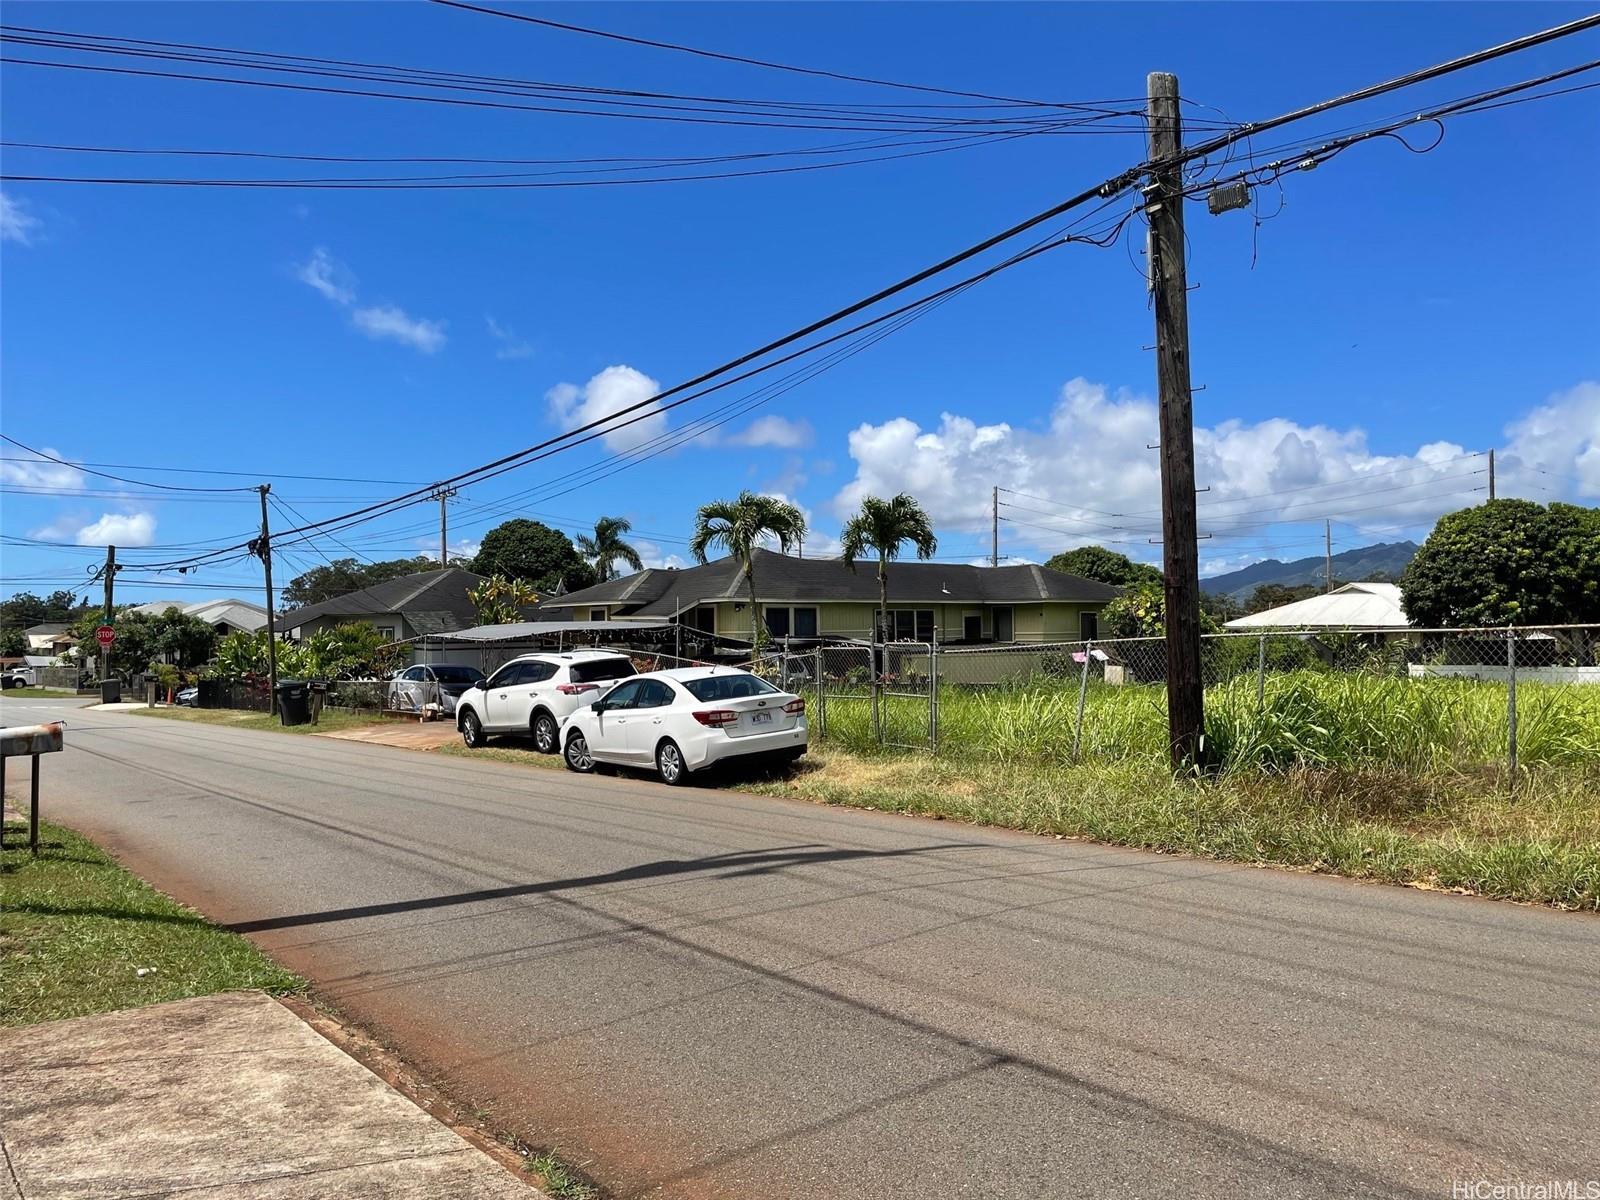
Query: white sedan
[{"x": 684, "y": 721}]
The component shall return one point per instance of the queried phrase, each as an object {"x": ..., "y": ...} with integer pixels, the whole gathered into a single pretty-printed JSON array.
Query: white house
[{"x": 1355, "y": 607}]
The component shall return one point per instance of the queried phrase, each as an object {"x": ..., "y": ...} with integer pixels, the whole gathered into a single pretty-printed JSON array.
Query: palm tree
[
  {"x": 606, "y": 548},
  {"x": 882, "y": 525},
  {"x": 739, "y": 526}
]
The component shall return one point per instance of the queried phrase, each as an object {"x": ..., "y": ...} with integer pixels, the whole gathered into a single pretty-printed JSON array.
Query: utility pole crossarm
[{"x": 1179, "y": 543}]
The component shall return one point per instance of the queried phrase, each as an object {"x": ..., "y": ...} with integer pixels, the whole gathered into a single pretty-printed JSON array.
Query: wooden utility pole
[
  {"x": 1491, "y": 474},
  {"x": 442, "y": 494},
  {"x": 1327, "y": 554},
  {"x": 264, "y": 550},
  {"x": 1179, "y": 544},
  {"x": 108, "y": 611},
  {"x": 994, "y": 553}
]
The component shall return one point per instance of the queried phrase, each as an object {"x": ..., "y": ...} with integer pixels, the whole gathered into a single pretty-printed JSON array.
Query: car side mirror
[{"x": 599, "y": 706}]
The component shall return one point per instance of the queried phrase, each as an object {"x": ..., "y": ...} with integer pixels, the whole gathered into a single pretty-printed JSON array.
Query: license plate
[{"x": 761, "y": 718}]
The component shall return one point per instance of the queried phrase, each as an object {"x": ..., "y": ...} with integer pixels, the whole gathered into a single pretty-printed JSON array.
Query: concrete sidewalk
[{"x": 222, "y": 1096}]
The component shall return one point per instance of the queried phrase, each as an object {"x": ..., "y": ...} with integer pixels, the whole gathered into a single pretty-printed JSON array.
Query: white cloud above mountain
[{"x": 1089, "y": 476}]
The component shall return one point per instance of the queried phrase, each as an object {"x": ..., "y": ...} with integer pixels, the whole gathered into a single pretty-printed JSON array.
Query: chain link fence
[{"x": 1415, "y": 699}]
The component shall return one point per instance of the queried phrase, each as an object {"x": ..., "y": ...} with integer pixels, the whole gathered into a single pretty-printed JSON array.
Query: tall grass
[{"x": 1307, "y": 719}]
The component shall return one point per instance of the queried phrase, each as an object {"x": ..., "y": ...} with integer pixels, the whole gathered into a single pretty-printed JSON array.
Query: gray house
[
  {"x": 822, "y": 597},
  {"x": 408, "y": 607}
]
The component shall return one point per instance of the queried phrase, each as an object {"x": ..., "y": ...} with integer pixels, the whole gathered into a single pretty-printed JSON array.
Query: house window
[
  {"x": 597, "y": 614},
  {"x": 784, "y": 621},
  {"x": 703, "y": 617},
  {"x": 1004, "y": 626},
  {"x": 1088, "y": 626},
  {"x": 972, "y": 627},
  {"x": 912, "y": 624},
  {"x": 386, "y": 632}
]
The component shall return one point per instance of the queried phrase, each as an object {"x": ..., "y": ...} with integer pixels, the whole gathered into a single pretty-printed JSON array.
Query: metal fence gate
[{"x": 885, "y": 693}]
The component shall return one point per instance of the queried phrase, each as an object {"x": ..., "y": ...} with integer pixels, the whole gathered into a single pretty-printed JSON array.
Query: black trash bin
[
  {"x": 209, "y": 694},
  {"x": 294, "y": 702},
  {"x": 111, "y": 691}
]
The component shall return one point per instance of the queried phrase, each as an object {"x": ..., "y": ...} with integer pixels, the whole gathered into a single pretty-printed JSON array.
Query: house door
[
  {"x": 1004, "y": 625},
  {"x": 972, "y": 627}
]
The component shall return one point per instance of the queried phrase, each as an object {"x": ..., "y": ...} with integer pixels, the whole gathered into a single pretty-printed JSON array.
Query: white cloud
[
  {"x": 112, "y": 528},
  {"x": 17, "y": 224},
  {"x": 1554, "y": 447},
  {"x": 773, "y": 430},
  {"x": 39, "y": 472},
  {"x": 329, "y": 277},
  {"x": 611, "y": 391},
  {"x": 460, "y": 548},
  {"x": 652, "y": 555},
  {"x": 511, "y": 346},
  {"x": 1087, "y": 476},
  {"x": 386, "y": 322},
  {"x": 336, "y": 283}
]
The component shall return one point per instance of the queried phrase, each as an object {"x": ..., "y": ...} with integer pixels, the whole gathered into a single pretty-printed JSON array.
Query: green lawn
[
  {"x": 332, "y": 719},
  {"x": 76, "y": 930},
  {"x": 36, "y": 693}
]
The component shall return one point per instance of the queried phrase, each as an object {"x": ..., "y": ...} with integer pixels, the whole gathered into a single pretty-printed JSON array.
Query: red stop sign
[{"x": 105, "y": 635}]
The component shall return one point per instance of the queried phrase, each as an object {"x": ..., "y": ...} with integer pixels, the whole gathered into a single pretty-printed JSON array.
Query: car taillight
[
  {"x": 797, "y": 705},
  {"x": 716, "y": 717},
  {"x": 576, "y": 689}
]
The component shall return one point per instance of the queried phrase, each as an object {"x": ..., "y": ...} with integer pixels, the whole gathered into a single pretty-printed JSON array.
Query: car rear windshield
[
  {"x": 728, "y": 687},
  {"x": 600, "y": 669},
  {"x": 457, "y": 674}
]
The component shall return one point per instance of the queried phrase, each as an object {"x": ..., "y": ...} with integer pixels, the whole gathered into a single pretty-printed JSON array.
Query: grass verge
[
  {"x": 332, "y": 720},
  {"x": 37, "y": 693},
  {"x": 1452, "y": 830},
  {"x": 76, "y": 931}
]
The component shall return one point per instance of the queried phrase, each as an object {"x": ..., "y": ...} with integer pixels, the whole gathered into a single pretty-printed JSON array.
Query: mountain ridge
[{"x": 1389, "y": 558}]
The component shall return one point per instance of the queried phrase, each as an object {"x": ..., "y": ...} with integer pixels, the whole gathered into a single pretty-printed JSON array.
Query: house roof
[
  {"x": 782, "y": 578},
  {"x": 432, "y": 601},
  {"x": 1353, "y": 606},
  {"x": 241, "y": 614},
  {"x": 47, "y": 627}
]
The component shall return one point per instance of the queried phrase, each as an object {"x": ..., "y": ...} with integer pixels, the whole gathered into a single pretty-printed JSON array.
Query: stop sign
[{"x": 105, "y": 635}]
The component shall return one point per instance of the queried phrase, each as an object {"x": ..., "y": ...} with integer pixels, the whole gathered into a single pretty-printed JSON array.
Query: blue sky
[{"x": 1398, "y": 313}]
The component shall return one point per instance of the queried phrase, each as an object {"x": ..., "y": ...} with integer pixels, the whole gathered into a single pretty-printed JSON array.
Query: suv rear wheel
[{"x": 546, "y": 734}]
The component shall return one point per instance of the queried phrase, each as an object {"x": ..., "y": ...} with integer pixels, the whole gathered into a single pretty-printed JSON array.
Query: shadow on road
[{"x": 735, "y": 864}]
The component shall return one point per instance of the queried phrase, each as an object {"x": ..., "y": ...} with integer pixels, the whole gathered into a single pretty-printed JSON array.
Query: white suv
[{"x": 533, "y": 694}]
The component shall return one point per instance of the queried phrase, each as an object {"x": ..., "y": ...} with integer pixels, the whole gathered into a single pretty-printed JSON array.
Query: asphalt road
[{"x": 703, "y": 993}]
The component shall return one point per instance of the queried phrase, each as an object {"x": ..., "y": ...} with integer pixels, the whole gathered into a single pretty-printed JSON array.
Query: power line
[
  {"x": 167, "y": 487},
  {"x": 215, "y": 471},
  {"x": 1106, "y": 190},
  {"x": 737, "y": 58}
]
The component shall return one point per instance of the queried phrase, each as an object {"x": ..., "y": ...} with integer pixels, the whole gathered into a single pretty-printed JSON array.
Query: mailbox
[{"x": 32, "y": 741}]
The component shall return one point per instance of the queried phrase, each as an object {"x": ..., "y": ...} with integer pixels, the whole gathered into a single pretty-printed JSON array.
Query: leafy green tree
[
  {"x": 25, "y": 609},
  {"x": 1141, "y": 612},
  {"x": 13, "y": 643},
  {"x": 535, "y": 554},
  {"x": 500, "y": 601},
  {"x": 345, "y": 575},
  {"x": 1106, "y": 566},
  {"x": 739, "y": 526},
  {"x": 1507, "y": 562},
  {"x": 605, "y": 547},
  {"x": 884, "y": 526},
  {"x": 143, "y": 638}
]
